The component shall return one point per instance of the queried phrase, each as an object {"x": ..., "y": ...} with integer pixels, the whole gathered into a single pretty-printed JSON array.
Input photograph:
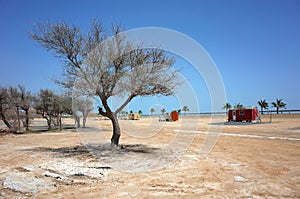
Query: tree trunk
[
  {"x": 27, "y": 119},
  {"x": 116, "y": 131},
  {"x": 3, "y": 117},
  {"x": 60, "y": 122},
  {"x": 48, "y": 122},
  {"x": 18, "y": 117},
  {"x": 77, "y": 121},
  {"x": 9, "y": 126},
  {"x": 262, "y": 110},
  {"x": 83, "y": 121},
  {"x": 277, "y": 110}
]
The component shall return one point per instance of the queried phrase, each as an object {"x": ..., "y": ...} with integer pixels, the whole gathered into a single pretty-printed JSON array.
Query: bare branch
[{"x": 108, "y": 66}]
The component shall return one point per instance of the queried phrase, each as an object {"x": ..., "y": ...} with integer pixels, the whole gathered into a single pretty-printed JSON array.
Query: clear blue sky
[{"x": 255, "y": 44}]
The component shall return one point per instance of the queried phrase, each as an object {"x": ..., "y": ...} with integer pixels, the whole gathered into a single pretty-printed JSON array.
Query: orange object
[{"x": 174, "y": 115}]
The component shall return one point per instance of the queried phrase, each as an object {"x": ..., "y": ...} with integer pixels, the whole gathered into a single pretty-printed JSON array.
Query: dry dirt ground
[{"x": 196, "y": 157}]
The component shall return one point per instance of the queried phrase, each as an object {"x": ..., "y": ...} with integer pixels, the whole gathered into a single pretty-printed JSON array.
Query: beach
[{"x": 195, "y": 157}]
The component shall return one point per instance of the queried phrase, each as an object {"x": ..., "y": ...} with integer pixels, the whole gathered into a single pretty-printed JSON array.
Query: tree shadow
[
  {"x": 92, "y": 150},
  {"x": 137, "y": 148},
  {"x": 44, "y": 129},
  {"x": 72, "y": 151},
  {"x": 93, "y": 129},
  {"x": 294, "y": 128},
  {"x": 238, "y": 123}
]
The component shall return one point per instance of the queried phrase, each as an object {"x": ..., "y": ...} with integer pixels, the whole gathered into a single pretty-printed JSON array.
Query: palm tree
[
  {"x": 163, "y": 110},
  {"x": 152, "y": 110},
  {"x": 140, "y": 112},
  {"x": 179, "y": 111},
  {"x": 239, "y": 106},
  {"x": 278, "y": 104},
  {"x": 227, "y": 106},
  {"x": 264, "y": 105},
  {"x": 185, "y": 109}
]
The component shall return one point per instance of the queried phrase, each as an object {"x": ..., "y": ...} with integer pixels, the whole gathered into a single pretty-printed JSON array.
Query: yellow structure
[{"x": 134, "y": 116}]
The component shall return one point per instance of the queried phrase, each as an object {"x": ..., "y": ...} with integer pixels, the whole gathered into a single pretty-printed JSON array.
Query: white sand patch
[
  {"x": 239, "y": 179},
  {"x": 27, "y": 182}
]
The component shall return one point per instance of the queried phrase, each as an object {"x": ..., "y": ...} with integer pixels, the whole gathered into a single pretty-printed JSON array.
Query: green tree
[
  {"x": 163, "y": 111},
  {"x": 152, "y": 110},
  {"x": 238, "y": 106},
  {"x": 140, "y": 112},
  {"x": 185, "y": 109},
  {"x": 43, "y": 105},
  {"x": 51, "y": 106},
  {"x": 278, "y": 104},
  {"x": 179, "y": 111},
  {"x": 227, "y": 106},
  {"x": 263, "y": 105}
]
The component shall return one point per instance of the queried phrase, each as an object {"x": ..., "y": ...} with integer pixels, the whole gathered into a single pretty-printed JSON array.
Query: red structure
[
  {"x": 174, "y": 115},
  {"x": 169, "y": 117},
  {"x": 244, "y": 114}
]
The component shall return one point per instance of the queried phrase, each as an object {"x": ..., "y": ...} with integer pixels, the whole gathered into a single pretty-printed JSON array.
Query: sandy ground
[{"x": 196, "y": 157}]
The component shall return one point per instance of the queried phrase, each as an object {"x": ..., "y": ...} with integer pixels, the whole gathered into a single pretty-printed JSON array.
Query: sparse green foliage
[
  {"x": 185, "y": 109},
  {"x": 51, "y": 106},
  {"x": 238, "y": 106},
  {"x": 152, "y": 110},
  {"x": 227, "y": 106},
  {"x": 278, "y": 104},
  {"x": 263, "y": 105}
]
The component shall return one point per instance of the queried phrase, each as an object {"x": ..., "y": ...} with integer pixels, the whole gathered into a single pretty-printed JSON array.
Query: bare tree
[
  {"x": 14, "y": 100},
  {"x": 43, "y": 105},
  {"x": 84, "y": 106},
  {"x": 25, "y": 103},
  {"x": 4, "y": 106},
  {"x": 52, "y": 106},
  {"x": 108, "y": 67},
  {"x": 14, "y": 104},
  {"x": 64, "y": 106}
]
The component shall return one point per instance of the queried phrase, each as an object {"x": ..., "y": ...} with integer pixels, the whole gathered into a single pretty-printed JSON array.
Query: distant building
[{"x": 248, "y": 114}]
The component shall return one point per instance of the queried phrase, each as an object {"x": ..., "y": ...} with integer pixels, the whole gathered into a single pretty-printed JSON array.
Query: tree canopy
[
  {"x": 103, "y": 66},
  {"x": 263, "y": 104},
  {"x": 278, "y": 104}
]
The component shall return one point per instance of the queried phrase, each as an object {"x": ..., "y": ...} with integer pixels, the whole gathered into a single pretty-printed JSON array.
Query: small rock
[
  {"x": 239, "y": 179},
  {"x": 52, "y": 175}
]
